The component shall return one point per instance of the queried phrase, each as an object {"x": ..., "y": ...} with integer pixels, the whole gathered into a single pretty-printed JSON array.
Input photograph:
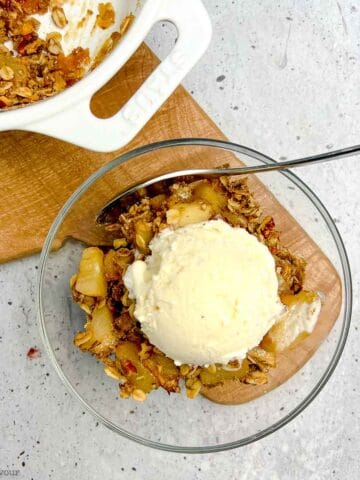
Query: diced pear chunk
[
  {"x": 91, "y": 279},
  {"x": 102, "y": 324},
  {"x": 209, "y": 378},
  {"x": 296, "y": 324},
  {"x": 183, "y": 214},
  {"x": 129, "y": 363},
  {"x": 143, "y": 235},
  {"x": 206, "y": 191},
  {"x": 157, "y": 201}
]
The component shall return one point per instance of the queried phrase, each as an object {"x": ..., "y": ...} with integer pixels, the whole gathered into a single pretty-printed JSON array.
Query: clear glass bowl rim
[{"x": 234, "y": 147}]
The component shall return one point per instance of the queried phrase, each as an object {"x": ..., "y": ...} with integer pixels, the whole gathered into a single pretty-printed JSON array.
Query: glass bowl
[{"x": 174, "y": 422}]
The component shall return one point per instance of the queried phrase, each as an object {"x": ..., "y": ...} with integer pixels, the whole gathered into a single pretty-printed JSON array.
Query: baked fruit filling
[{"x": 113, "y": 334}]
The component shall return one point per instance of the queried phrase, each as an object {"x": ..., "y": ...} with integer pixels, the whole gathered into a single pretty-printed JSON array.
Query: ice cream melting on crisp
[{"x": 207, "y": 294}]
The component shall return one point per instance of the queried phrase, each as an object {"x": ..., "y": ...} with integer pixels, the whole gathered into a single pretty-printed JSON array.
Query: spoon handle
[{"x": 300, "y": 162}]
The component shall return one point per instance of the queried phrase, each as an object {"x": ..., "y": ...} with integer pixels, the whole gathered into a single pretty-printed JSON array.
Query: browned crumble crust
[{"x": 35, "y": 68}]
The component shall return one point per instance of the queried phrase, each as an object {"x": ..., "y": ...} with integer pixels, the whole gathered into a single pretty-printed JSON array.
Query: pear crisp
[
  {"x": 112, "y": 333},
  {"x": 33, "y": 68}
]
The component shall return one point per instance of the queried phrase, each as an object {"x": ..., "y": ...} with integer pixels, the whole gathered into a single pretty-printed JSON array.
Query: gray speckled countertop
[{"x": 282, "y": 77}]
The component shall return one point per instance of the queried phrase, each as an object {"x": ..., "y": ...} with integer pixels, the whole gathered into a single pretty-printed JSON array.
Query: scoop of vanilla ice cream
[{"x": 207, "y": 294}]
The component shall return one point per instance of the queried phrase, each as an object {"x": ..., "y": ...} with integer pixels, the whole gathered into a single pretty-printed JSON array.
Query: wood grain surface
[{"x": 38, "y": 174}]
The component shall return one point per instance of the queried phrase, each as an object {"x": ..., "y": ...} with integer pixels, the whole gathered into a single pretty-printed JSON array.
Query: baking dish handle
[{"x": 79, "y": 126}]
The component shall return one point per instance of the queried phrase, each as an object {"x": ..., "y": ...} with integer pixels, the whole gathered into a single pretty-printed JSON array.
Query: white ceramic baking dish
[{"x": 67, "y": 116}]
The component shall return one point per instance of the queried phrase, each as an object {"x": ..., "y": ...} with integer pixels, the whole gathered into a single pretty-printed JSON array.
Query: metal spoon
[{"x": 110, "y": 212}]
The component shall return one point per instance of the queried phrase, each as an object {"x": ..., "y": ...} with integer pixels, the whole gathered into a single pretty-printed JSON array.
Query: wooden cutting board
[{"x": 38, "y": 174}]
